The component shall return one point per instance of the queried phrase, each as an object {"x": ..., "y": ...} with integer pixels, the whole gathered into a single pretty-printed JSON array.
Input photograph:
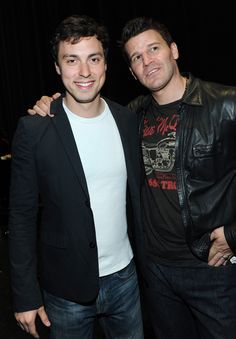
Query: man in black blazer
[{"x": 82, "y": 168}]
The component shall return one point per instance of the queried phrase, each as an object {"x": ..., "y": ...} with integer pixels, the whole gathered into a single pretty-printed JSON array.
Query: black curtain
[{"x": 204, "y": 31}]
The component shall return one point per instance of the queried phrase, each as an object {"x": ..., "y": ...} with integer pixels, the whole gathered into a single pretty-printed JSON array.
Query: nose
[
  {"x": 146, "y": 59},
  {"x": 84, "y": 70}
]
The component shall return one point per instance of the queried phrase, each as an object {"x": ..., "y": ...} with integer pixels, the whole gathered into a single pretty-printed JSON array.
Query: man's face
[
  {"x": 82, "y": 67},
  {"x": 152, "y": 61}
]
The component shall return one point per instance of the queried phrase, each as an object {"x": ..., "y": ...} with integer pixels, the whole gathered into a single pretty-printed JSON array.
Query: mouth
[
  {"x": 152, "y": 71},
  {"x": 84, "y": 85}
]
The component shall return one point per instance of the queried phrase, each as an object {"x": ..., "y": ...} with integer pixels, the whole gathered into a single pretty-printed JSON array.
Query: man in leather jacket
[{"x": 188, "y": 141}]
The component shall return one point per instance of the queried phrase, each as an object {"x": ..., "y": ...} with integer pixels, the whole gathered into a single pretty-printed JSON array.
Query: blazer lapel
[{"x": 62, "y": 125}]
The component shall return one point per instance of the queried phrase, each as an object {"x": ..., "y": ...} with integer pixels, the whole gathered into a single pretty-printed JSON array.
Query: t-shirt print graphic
[
  {"x": 158, "y": 148},
  {"x": 160, "y": 156}
]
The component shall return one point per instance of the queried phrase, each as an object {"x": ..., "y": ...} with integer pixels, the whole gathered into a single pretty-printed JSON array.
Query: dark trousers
[{"x": 192, "y": 302}]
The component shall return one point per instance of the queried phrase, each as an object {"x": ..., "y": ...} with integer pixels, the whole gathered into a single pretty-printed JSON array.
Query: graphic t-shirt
[{"x": 165, "y": 233}]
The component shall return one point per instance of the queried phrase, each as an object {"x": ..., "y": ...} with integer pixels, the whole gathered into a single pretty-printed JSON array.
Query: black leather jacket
[{"x": 205, "y": 161}]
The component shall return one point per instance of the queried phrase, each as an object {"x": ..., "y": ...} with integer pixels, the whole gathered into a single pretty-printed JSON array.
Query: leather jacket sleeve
[{"x": 230, "y": 236}]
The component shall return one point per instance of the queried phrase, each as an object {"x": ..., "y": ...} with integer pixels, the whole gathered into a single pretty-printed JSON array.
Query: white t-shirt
[{"x": 99, "y": 145}]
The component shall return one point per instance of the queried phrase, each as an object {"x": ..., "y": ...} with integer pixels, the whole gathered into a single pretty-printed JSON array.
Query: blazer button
[{"x": 92, "y": 244}]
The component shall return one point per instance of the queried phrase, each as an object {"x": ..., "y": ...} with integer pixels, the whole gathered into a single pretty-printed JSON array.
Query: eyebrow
[
  {"x": 148, "y": 46},
  {"x": 77, "y": 56}
]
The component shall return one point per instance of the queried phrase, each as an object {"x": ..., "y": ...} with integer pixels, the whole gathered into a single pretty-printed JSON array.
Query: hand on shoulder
[{"x": 42, "y": 106}]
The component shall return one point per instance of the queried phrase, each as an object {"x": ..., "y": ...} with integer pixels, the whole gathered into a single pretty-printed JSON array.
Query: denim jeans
[
  {"x": 192, "y": 302},
  {"x": 117, "y": 309}
]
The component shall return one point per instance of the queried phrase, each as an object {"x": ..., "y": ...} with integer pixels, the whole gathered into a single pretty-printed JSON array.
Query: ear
[
  {"x": 133, "y": 73},
  {"x": 174, "y": 50},
  {"x": 57, "y": 68}
]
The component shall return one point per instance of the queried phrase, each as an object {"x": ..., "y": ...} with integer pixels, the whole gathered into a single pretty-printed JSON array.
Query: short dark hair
[
  {"x": 76, "y": 27},
  {"x": 139, "y": 25}
]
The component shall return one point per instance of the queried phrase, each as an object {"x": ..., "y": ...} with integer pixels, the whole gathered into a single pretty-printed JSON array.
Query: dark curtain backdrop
[{"x": 204, "y": 32}]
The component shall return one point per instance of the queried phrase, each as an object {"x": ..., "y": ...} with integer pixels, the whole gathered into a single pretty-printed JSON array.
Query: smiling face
[
  {"x": 82, "y": 67},
  {"x": 152, "y": 61}
]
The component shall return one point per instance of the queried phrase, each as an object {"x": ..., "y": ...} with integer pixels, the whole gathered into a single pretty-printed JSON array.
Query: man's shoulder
[
  {"x": 219, "y": 93},
  {"x": 139, "y": 103},
  {"x": 34, "y": 120},
  {"x": 216, "y": 87},
  {"x": 32, "y": 126}
]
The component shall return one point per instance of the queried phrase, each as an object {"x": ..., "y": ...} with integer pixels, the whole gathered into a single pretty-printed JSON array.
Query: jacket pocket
[
  {"x": 206, "y": 151},
  {"x": 206, "y": 162}
]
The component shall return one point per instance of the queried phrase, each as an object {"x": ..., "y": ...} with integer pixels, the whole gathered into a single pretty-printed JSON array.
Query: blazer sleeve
[{"x": 23, "y": 211}]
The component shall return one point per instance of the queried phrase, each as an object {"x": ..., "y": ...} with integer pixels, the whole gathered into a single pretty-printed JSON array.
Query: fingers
[
  {"x": 45, "y": 110},
  {"x": 42, "y": 106},
  {"x": 219, "y": 259},
  {"x": 31, "y": 111},
  {"x": 56, "y": 95},
  {"x": 43, "y": 316},
  {"x": 44, "y": 100},
  {"x": 32, "y": 330},
  {"x": 29, "y": 328},
  {"x": 217, "y": 233},
  {"x": 20, "y": 325},
  {"x": 219, "y": 252},
  {"x": 26, "y": 321},
  {"x": 37, "y": 110}
]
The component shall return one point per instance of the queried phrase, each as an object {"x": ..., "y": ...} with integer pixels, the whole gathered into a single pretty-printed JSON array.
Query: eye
[
  {"x": 71, "y": 61},
  {"x": 95, "y": 60},
  {"x": 153, "y": 49},
  {"x": 136, "y": 59}
]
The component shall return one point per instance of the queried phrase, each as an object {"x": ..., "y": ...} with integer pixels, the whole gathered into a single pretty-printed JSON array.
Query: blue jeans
[
  {"x": 117, "y": 309},
  {"x": 192, "y": 302}
]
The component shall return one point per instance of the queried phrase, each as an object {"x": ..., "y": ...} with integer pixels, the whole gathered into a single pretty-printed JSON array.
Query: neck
[
  {"x": 173, "y": 91},
  {"x": 85, "y": 109}
]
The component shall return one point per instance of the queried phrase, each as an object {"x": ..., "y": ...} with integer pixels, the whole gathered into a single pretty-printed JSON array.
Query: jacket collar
[{"x": 193, "y": 94}]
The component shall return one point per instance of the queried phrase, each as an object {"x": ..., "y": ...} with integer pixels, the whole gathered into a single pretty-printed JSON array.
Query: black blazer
[{"x": 59, "y": 253}]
